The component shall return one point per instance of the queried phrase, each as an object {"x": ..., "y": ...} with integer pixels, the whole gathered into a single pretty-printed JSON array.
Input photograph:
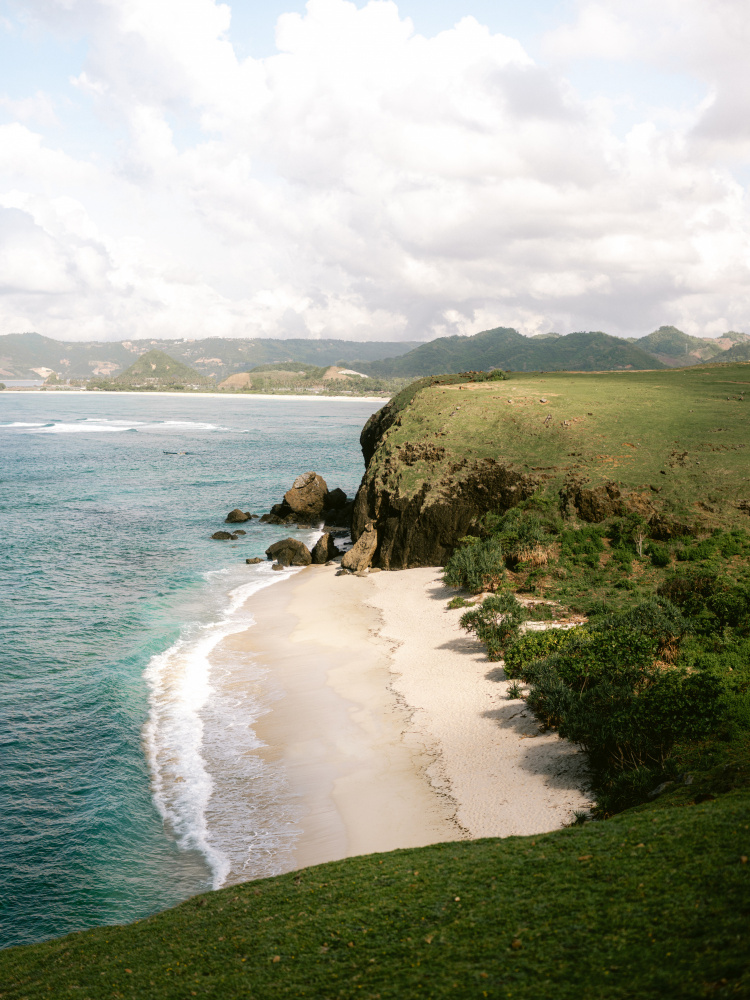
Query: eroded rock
[
  {"x": 290, "y": 552},
  {"x": 307, "y": 497},
  {"x": 361, "y": 554},
  {"x": 324, "y": 549},
  {"x": 223, "y": 536},
  {"x": 238, "y": 516}
]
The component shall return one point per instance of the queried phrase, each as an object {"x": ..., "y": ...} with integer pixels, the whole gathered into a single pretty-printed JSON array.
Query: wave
[
  {"x": 21, "y": 423},
  {"x": 180, "y": 695}
]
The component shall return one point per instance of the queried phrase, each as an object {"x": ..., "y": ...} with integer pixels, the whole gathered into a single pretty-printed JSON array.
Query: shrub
[
  {"x": 659, "y": 619},
  {"x": 496, "y": 622},
  {"x": 477, "y": 566},
  {"x": 659, "y": 555},
  {"x": 537, "y": 645},
  {"x": 582, "y": 546},
  {"x": 604, "y": 693}
]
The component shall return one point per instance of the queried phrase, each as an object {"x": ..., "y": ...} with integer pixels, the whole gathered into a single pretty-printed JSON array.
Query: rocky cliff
[{"x": 445, "y": 451}]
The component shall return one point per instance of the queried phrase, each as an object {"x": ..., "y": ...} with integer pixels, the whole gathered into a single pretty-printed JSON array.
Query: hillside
[
  {"x": 506, "y": 348},
  {"x": 677, "y": 349},
  {"x": 677, "y": 439},
  {"x": 155, "y": 369},
  {"x": 623, "y": 909},
  {"x": 739, "y": 353},
  {"x": 294, "y": 376},
  {"x": 216, "y": 357}
]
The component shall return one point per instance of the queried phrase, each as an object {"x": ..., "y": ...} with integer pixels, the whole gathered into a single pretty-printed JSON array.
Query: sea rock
[
  {"x": 336, "y": 499},
  {"x": 239, "y": 531},
  {"x": 361, "y": 554},
  {"x": 238, "y": 516},
  {"x": 324, "y": 550},
  {"x": 254, "y": 560},
  {"x": 223, "y": 536},
  {"x": 271, "y": 519},
  {"x": 307, "y": 497},
  {"x": 277, "y": 566},
  {"x": 290, "y": 552},
  {"x": 339, "y": 517}
]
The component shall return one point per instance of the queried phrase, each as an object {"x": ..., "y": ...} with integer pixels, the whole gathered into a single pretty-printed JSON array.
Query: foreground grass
[{"x": 652, "y": 903}]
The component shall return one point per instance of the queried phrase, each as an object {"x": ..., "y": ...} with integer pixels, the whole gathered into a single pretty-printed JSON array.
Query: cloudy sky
[{"x": 383, "y": 170}]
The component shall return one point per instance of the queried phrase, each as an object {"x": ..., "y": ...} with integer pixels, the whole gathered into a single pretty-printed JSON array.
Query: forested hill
[
  {"x": 506, "y": 348},
  {"x": 30, "y": 355}
]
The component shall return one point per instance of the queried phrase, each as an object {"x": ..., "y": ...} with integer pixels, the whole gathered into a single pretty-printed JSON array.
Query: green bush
[
  {"x": 582, "y": 546},
  {"x": 657, "y": 618},
  {"x": 603, "y": 692},
  {"x": 659, "y": 555},
  {"x": 496, "y": 622},
  {"x": 537, "y": 645},
  {"x": 478, "y": 565}
]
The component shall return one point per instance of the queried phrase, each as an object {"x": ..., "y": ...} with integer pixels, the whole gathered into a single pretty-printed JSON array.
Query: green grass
[
  {"x": 671, "y": 436},
  {"x": 653, "y": 903}
]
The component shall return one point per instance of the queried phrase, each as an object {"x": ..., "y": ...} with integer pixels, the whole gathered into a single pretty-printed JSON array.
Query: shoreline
[
  {"x": 200, "y": 395},
  {"x": 392, "y": 728}
]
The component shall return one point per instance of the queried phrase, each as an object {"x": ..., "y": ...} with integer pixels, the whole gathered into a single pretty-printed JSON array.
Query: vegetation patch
[{"x": 651, "y": 904}]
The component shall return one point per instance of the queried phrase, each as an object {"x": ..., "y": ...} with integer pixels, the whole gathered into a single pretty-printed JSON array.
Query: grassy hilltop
[{"x": 675, "y": 444}]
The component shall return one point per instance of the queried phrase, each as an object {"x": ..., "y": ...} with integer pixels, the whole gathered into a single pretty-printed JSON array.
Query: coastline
[
  {"x": 201, "y": 395},
  {"x": 392, "y": 728}
]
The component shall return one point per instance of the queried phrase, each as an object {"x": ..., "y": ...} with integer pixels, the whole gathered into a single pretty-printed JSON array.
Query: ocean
[{"x": 127, "y": 781}]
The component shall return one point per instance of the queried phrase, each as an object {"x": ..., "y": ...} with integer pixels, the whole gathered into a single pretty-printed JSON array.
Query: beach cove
[{"x": 392, "y": 728}]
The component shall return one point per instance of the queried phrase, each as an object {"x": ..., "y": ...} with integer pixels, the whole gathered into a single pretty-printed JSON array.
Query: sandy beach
[{"x": 393, "y": 728}]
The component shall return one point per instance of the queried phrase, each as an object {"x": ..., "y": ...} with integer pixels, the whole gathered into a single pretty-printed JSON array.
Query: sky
[{"x": 373, "y": 171}]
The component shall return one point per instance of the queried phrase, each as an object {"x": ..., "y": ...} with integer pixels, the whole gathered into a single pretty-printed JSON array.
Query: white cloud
[{"x": 367, "y": 182}]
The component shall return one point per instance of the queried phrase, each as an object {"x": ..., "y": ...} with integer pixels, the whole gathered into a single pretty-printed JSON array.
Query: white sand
[
  {"x": 392, "y": 727},
  {"x": 505, "y": 775}
]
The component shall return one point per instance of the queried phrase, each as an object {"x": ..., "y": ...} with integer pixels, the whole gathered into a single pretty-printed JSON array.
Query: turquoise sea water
[{"x": 125, "y": 779}]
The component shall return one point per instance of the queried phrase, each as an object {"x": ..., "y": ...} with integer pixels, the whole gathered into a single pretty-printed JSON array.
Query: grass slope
[
  {"x": 685, "y": 432},
  {"x": 506, "y": 348},
  {"x": 653, "y": 903}
]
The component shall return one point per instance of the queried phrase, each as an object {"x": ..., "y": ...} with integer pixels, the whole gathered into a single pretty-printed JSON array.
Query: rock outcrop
[
  {"x": 238, "y": 516},
  {"x": 224, "y": 536},
  {"x": 360, "y": 556},
  {"x": 290, "y": 552},
  {"x": 307, "y": 497},
  {"x": 424, "y": 528},
  {"x": 324, "y": 549},
  {"x": 254, "y": 561},
  {"x": 309, "y": 502}
]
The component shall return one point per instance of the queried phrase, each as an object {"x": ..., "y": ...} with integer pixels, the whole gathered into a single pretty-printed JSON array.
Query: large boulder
[
  {"x": 290, "y": 552},
  {"x": 359, "y": 557},
  {"x": 336, "y": 499},
  {"x": 307, "y": 497},
  {"x": 223, "y": 536},
  {"x": 238, "y": 516},
  {"x": 339, "y": 517},
  {"x": 324, "y": 549}
]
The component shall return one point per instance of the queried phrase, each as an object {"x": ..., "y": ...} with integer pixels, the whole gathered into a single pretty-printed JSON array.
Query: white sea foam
[
  {"x": 21, "y": 423},
  {"x": 190, "y": 721}
]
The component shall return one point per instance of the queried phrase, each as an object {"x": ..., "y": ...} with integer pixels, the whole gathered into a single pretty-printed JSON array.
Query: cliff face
[
  {"x": 447, "y": 450},
  {"x": 421, "y": 496}
]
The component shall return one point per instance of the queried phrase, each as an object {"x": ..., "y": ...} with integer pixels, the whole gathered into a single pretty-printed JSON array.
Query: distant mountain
[
  {"x": 21, "y": 354},
  {"x": 740, "y": 352},
  {"x": 155, "y": 368},
  {"x": 506, "y": 348},
  {"x": 677, "y": 349}
]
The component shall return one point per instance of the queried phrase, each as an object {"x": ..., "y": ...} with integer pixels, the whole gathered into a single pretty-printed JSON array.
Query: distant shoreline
[{"x": 212, "y": 395}]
